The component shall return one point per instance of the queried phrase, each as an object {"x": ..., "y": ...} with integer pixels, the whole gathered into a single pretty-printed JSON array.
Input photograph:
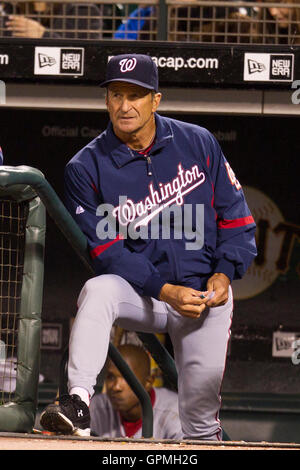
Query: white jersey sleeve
[
  {"x": 166, "y": 422},
  {"x": 106, "y": 422}
]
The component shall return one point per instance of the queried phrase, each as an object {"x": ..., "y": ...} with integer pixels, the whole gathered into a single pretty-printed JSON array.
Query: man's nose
[
  {"x": 117, "y": 385},
  {"x": 125, "y": 105}
]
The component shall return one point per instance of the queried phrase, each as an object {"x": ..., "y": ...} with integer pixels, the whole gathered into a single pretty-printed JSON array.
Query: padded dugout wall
[{"x": 18, "y": 407}]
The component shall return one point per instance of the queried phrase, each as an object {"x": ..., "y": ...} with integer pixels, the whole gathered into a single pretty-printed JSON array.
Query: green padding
[
  {"x": 15, "y": 417},
  {"x": 10, "y": 177},
  {"x": 28, "y": 361},
  {"x": 33, "y": 276},
  {"x": 19, "y": 415}
]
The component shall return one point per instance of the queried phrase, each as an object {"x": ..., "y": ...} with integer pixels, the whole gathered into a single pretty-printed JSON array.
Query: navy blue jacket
[{"x": 185, "y": 168}]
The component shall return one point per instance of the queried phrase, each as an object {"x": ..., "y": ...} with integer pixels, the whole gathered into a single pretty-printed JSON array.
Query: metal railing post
[{"x": 162, "y": 25}]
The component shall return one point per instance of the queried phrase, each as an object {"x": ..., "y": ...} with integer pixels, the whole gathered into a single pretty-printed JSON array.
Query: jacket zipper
[
  {"x": 151, "y": 173},
  {"x": 149, "y": 165},
  {"x": 148, "y": 160}
]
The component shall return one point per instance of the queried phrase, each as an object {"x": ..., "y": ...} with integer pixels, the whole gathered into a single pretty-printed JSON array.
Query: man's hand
[
  {"x": 190, "y": 302},
  {"x": 184, "y": 300},
  {"x": 20, "y": 26},
  {"x": 219, "y": 283}
]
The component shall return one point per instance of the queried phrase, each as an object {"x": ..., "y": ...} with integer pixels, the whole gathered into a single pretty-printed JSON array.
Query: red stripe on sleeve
[
  {"x": 99, "y": 249},
  {"x": 225, "y": 223}
]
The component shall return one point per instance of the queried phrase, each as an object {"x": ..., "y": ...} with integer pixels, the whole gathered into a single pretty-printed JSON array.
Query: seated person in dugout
[
  {"x": 237, "y": 28},
  {"x": 229, "y": 25},
  {"x": 141, "y": 24},
  {"x": 188, "y": 22},
  {"x": 278, "y": 25},
  {"x": 52, "y": 20},
  {"x": 118, "y": 413}
]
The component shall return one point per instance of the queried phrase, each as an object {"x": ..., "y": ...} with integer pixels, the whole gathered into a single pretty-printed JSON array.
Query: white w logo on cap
[{"x": 126, "y": 65}]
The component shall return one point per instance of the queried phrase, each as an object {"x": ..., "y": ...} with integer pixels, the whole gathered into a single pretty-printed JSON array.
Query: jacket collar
[{"x": 121, "y": 154}]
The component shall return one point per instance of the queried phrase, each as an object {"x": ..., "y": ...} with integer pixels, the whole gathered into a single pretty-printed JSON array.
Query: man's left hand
[{"x": 219, "y": 283}]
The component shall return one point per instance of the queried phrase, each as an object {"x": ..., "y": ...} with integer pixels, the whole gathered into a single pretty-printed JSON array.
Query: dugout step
[
  {"x": 249, "y": 417},
  {"x": 261, "y": 416}
]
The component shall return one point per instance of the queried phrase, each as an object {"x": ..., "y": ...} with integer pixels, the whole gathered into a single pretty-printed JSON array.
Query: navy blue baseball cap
[{"x": 132, "y": 68}]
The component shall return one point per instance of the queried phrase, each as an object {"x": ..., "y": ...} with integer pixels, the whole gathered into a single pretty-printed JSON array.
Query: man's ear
[{"x": 156, "y": 101}]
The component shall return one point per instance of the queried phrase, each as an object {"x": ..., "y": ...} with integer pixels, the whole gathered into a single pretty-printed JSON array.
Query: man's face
[
  {"x": 130, "y": 107},
  {"x": 119, "y": 392},
  {"x": 281, "y": 15}
]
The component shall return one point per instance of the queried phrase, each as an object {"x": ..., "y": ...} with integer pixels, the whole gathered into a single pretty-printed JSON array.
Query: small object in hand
[{"x": 210, "y": 296}]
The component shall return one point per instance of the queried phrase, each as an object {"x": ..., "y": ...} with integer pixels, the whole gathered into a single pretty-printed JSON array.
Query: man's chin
[{"x": 127, "y": 129}]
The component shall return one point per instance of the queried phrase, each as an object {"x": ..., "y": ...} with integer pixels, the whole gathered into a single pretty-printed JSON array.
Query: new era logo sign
[
  {"x": 281, "y": 67},
  {"x": 59, "y": 61},
  {"x": 283, "y": 343},
  {"x": 266, "y": 67},
  {"x": 71, "y": 61},
  {"x": 45, "y": 60},
  {"x": 254, "y": 66}
]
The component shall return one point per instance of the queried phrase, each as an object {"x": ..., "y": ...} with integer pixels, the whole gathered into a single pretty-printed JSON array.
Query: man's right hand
[{"x": 184, "y": 300}]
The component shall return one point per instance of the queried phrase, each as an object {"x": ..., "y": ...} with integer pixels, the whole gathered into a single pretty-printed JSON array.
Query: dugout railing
[
  {"x": 240, "y": 22},
  {"x": 18, "y": 410}
]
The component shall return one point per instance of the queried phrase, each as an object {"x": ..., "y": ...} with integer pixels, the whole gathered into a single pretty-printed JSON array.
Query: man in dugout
[
  {"x": 118, "y": 413},
  {"x": 168, "y": 230}
]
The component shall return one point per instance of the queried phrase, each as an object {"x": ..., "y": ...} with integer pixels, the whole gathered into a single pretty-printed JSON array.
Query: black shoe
[{"x": 71, "y": 416}]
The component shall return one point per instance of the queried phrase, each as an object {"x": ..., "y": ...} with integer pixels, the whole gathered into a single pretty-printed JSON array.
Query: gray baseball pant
[{"x": 200, "y": 346}]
